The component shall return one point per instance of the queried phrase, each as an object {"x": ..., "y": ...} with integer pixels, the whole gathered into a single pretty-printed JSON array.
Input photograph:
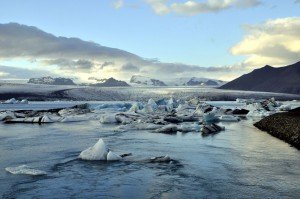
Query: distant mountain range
[
  {"x": 51, "y": 81},
  {"x": 138, "y": 80},
  {"x": 269, "y": 79},
  {"x": 146, "y": 81},
  {"x": 111, "y": 82}
]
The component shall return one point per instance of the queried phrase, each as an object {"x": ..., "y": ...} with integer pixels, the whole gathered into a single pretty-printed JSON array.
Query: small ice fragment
[
  {"x": 111, "y": 156},
  {"x": 25, "y": 170}
]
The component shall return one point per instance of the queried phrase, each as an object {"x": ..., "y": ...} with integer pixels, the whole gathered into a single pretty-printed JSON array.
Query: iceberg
[
  {"x": 6, "y": 115},
  {"x": 136, "y": 107},
  {"x": 97, "y": 152},
  {"x": 258, "y": 113},
  {"x": 25, "y": 170},
  {"x": 108, "y": 119},
  {"x": 153, "y": 104},
  {"x": 24, "y": 101},
  {"x": 121, "y": 106},
  {"x": 11, "y": 101},
  {"x": 285, "y": 107},
  {"x": 111, "y": 156},
  {"x": 210, "y": 116},
  {"x": 147, "y": 109}
]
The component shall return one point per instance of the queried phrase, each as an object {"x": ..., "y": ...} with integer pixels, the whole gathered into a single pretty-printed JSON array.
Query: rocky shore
[{"x": 285, "y": 126}]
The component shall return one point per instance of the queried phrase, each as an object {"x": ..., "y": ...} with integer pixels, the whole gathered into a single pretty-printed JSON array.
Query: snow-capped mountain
[
  {"x": 138, "y": 80},
  {"x": 51, "y": 81},
  {"x": 145, "y": 81},
  {"x": 194, "y": 81},
  {"x": 110, "y": 82}
]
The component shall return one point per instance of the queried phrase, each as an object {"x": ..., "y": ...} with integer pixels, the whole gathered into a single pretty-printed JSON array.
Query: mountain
[
  {"x": 194, "y": 81},
  {"x": 111, "y": 82},
  {"x": 147, "y": 81},
  {"x": 269, "y": 79},
  {"x": 51, "y": 81}
]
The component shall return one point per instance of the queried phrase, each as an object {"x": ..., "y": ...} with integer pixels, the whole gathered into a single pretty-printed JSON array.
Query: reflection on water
[{"x": 241, "y": 162}]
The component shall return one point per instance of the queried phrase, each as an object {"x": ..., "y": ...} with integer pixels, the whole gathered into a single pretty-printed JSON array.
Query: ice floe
[{"x": 24, "y": 170}]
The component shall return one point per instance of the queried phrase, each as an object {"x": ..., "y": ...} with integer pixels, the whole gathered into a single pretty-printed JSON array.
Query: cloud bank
[
  {"x": 193, "y": 7},
  {"x": 275, "y": 42}
]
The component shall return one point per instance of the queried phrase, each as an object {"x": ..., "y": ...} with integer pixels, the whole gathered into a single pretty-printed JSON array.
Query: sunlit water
[{"x": 241, "y": 162}]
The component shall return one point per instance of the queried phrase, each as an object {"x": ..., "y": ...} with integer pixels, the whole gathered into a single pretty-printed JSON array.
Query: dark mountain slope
[{"x": 269, "y": 79}]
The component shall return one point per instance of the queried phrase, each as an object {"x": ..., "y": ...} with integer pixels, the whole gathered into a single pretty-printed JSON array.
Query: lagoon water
[{"x": 240, "y": 162}]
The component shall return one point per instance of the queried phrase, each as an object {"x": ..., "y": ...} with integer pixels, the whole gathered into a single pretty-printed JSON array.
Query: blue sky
[{"x": 202, "y": 39}]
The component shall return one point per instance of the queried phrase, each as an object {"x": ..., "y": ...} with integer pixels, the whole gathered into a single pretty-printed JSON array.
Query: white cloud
[
  {"x": 193, "y": 7},
  {"x": 118, "y": 4},
  {"x": 159, "y": 6},
  {"x": 275, "y": 42}
]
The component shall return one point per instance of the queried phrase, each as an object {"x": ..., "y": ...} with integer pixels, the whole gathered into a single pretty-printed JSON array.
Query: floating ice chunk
[
  {"x": 147, "y": 109},
  {"x": 135, "y": 107},
  {"x": 11, "y": 101},
  {"x": 7, "y": 114},
  {"x": 115, "y": 106},
  {"x": 258, "y": 113},
  {"x": 161, "y": 102},
  {"x": 211, "y": 129},
  {"x": 160, "y": 159},
  {"x": 25, "y": 170},
  {"x": 97, "y": 152},
  {"x": 46, "y": 119},
  {"x": 153, "y": 104},
  {"x": 270, "y": 107},
  {"x": 108, "y": 119},
  {"x": 111, "y": 156},
  {"x": 210, "y": 116},
  {"x": 285, "y": 107},
  {"x": 171, "y": 104},
  {"x": 229, "y": 118},
  {"x": 24, "y": 101}
]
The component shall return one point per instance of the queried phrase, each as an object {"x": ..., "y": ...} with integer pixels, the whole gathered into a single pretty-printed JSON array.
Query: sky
[{"x": 163, "y": 39}]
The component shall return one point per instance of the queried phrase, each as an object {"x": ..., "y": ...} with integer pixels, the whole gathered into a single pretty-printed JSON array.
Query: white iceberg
[
  {"x": 11, "y": 101},
  {"x": 7, "y": 114},
  {"x": 97, "y": 152},
  {"x": 153, "y": 104},
  {"x": 111, "y": 156},
  {"x": 25, "y": 170},
  {"x": 24, "y": 101},
  {"x": 148, "y": 109},
  {"x": 135, "y": 107},
  {"x": 108, "y": 119}
]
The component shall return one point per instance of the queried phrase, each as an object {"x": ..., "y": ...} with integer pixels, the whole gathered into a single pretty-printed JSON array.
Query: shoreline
[{"x": 284, "y": 126}]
